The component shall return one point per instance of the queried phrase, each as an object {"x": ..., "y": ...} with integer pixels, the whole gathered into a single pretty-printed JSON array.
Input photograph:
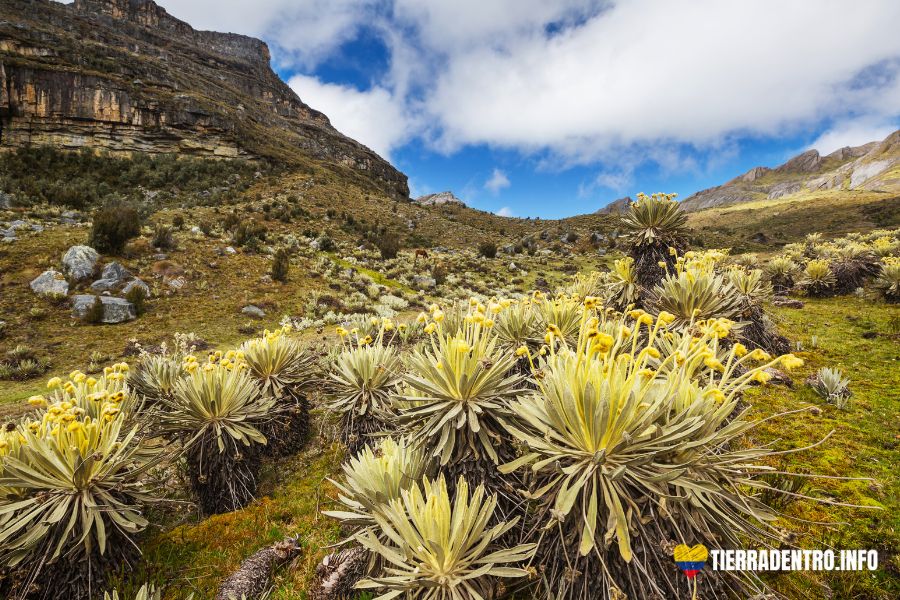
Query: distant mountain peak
[
  {"x": 439, "y": 199},
  {"x": 616, "y": 206},
  {"x": 868, "y": 166}
]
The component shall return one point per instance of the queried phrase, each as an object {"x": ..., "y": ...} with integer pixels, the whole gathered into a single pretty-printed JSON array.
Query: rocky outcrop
[
  {"x": 439, "y": 199},
  {"x": 871, "y": 166},
  {"x": 616, "y": 207},
  {"x": 125, "y": 76}
]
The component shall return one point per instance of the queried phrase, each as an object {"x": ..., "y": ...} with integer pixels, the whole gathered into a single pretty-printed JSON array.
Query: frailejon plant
[
  {"x": 459, "y": 384},
  {"x": 437, "y": 549},
  {"x": 817, "y": 278},
  {"x": 217, "y": 412},
  {"x": 622, "y": 289},
  {"x": 560, "y": 315},
  {"x": 781, "y": 271},
  {"x": 375, "y": 477},
  {"x": 145, "y": 592},
  {"x": 626, "y": 445},
  {"x": 656, "y": 227},
  {"x": 515, "y": 323},
  {"x": 73, "y": 486},
  {"x": 888, "y": 281},
  {"x": 283, "y": 368},
  {"x": 696, "y": 294},
  {"x": 830, "y": 384},
  {"x": 360, "y": 383}
]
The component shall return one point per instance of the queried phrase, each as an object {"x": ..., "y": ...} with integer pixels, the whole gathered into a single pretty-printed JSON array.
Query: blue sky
[{"x": 549, "y": 109}]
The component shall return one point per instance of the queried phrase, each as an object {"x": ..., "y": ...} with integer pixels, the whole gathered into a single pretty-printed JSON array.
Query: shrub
[
  {"x": 388, "y": 244},
  {"x": 113, "y": 225},
  {"x": 249, "y": 234},
  {"x": 162, "y": 237},
  {"x": 138, "y": 297},
  {"x": 22, "y": 363},
  {"x": 487, "y": 249},
  {"x": 178, "y": 222},
  {"x": 281, "y": 265},
  {"x": 654, "y": 224},
  {"x": 817, "y": 279},
  {"x": 326, "y": 244},
  {"x": 888, "y": 281},
  {"x": 94, "y": 314}
]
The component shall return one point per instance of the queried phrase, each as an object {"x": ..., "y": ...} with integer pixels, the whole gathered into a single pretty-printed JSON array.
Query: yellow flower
[
  {"x": 635, "y": 314},
  {"x": 54, "y": 383},
  {"x": 666, "y": 318},
  {"x": 761, "y": 377},
  {"x": 740, "y": 350},
  {"x": 341, "y": 331},
  {"x": 521, "y": 351},
  {"x": 366, "y": 340},
  {"x": 713, "y": 363},
  {"x": 429, "y": 329},
  {"x": 790, "y": 362},
  {"x": 438, "y": 315},
  {"x": 716, "y": 394},
  {"x": 651, "y": 351},
  {"x": 387, "y": 324},
  {"x": 760, "y": 355},
  {"x": 646, "y": 320},
  {"x": 37, "y": 401}
]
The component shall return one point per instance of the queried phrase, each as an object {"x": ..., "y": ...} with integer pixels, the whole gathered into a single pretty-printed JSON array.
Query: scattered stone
[
  {"x": 541, "y": 284},
  {"x": 266, "y": 280},
  {"x": 424, "y": 282},
  {"x": 80, "y": 263},
  {"x": 50, "y": 283},
  {"x": 104, "y": 285},
  {"x": 115, "y": 310},
  {"x": 136, "y": 283},
  {"x": 513, "y": 266},
  {"x": 160, "y": 256},
  {"x": 196, "y": 230},
  {"x": 253, "y": 311},
  {"x": 115, "y": 272},
  {"x": 230, "y": 250},
  {"x": 779, "y": 377},
  {"x": 787, "y": 302}
]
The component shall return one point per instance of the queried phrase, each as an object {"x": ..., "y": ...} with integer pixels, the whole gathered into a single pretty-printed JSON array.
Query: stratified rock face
[
  {"x": 439, "y": 199},
  {"x": 870, "y": 166},
  {"x": 125, "y": 76}
]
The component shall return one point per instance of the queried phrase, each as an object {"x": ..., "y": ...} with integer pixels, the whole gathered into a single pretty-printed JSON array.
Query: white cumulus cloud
[
  {"x": 506, "y": 211},
  {"x": 497, "y": 181},
  {"x": 374, "y": 117}
]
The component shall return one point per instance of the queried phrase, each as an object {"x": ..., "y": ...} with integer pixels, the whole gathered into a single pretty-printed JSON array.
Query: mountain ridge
[
  {"x": 125, "y": 76},
  {"x": 869, "y": 166}
]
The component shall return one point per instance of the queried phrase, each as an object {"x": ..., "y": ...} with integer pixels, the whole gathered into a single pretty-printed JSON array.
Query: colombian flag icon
[{"x": 690, "y": 559}]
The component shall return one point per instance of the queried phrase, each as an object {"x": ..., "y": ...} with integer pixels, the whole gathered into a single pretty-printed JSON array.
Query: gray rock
[
  {"x": 314, "y": 244},
  {"x": 50, "y": 283},
  {"x": 196, "y": 230},
  {"x": 136, "y": 283},
  {"x": 115, "y": 310},
  {"x": 160, "y": 256},
  {"x": 423, "y": 282},
  {"x": 787, "y": 302},
  {"x": 230, "y": 250},
  {"x": 35, "y": 227},
  {"x": 513, "y": 266},
  {"x": 115, "y": 272},
  {"x": 80, "y": 263},
  {"x": 253, "y": 311},
  {"x": 104, "y": 285}
]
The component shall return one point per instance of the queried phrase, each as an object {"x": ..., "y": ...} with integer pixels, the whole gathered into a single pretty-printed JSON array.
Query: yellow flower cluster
[{"x": 230, "y": 360}]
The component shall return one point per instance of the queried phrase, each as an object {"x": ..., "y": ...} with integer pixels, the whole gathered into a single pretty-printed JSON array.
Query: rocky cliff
[
  {"x": 125, "y": 76},
  {"x": 439, "y": 199},
  {"x": 872, "y": 166}
]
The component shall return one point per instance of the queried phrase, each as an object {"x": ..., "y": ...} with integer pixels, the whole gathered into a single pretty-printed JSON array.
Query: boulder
[
  {"x": 80, "y": 263},
  {"x": 50, "y": 283},
  {"x": 253, "y": 311},
  {"x": 116, "y": 272},
  {"x": 115, "y": 310},
  {"x": 424, "y": 282},
  {"x": 136, "y": 283}
]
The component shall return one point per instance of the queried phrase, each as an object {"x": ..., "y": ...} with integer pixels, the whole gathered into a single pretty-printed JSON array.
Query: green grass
[{"x": 865, "y": 442}]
